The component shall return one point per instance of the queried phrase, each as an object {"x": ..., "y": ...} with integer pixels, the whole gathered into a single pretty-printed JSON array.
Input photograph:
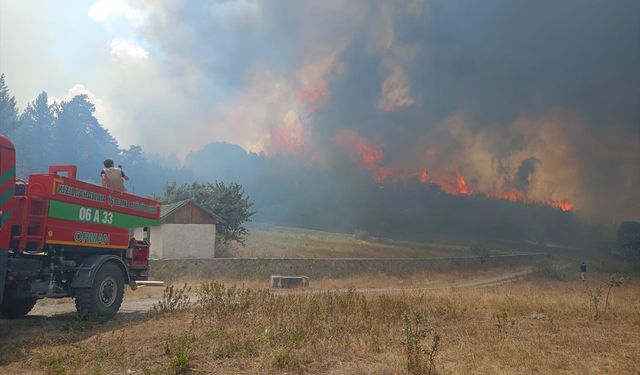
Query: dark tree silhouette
[{"x": 8, "y": 109}]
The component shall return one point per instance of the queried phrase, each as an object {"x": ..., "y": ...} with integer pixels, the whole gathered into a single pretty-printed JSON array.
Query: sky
[{"x": 528, "y": 100}]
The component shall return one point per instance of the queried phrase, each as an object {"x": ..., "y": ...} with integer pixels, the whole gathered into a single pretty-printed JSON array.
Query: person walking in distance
[
  {"x": 583, "y": 270},
  {"x": 113, "y": 177}
]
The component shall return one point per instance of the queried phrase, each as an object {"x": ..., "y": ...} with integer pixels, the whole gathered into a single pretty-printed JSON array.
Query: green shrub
[
  {"x": 180, "y": 348},
  {"x": 54, "y": 365},
  {"x": 181, "y": 364},
  {"x": 284, "y": 360}
]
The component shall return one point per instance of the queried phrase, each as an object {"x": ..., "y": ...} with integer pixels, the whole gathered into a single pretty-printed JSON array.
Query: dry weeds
[{"x": 533, "y": 326}]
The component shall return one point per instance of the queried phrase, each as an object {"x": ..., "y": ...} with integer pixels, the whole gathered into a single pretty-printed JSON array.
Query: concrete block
[{"x": 279, "y": 281}]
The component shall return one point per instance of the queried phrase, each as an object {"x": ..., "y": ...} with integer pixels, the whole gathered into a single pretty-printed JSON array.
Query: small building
[{"x": 186, "y": 231}]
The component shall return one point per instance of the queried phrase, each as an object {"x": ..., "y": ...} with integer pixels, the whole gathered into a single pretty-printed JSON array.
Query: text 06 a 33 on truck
[{"x": 62, "y": 237}]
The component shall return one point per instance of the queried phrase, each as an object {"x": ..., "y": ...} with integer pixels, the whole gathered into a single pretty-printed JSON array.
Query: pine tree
[
  {"x": 80, "y": 139},
  {"x": 8, "y": 109},
  {"x": 34, "y": 137}
]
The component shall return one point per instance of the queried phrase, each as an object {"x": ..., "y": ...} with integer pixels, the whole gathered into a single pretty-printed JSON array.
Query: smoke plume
[{"x": 525, "y": 101}]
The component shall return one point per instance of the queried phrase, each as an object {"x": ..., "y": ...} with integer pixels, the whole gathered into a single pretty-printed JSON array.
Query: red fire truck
[{"x": 62, "y": 237}]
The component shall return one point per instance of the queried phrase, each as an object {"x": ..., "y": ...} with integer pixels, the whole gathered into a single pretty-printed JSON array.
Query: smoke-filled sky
[{"x": 527, "y": 100}]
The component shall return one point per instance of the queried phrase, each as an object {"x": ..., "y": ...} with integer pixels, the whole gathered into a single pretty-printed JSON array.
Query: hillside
[{"x": 269, "y": 241}]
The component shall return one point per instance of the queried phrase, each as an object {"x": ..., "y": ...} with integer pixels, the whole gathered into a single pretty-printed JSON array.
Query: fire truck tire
[
  {"x": 12, "y": 307},
  {"x": 103, "y": 299}
]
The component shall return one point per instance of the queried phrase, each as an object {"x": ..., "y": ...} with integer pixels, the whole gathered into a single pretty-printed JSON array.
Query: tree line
[
  {"x": 67, "y": 132},
  {"x": 339, "y": 198}
]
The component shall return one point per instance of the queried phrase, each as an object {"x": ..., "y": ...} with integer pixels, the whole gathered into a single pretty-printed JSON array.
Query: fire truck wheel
[
  {"x": 105, "y": 296},
  {"x": 12, "y": 307}
]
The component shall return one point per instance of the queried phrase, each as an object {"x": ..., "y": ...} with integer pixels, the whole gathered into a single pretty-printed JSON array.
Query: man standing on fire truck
[{"x": 112, "y": 177}]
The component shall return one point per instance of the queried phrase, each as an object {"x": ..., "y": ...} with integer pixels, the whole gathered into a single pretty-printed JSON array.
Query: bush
[
  {"x": 284, "y": 360},
  {"x": 361, "y": 235},
  {"x": 180, "y": 348},
  {"x": 215, "y": 297},
  {"x": 173, "y": 299},
  {"x": 225, "y": 250},
  {"x": 595, "y": 295},
  {"x": 420, "y": 360}
]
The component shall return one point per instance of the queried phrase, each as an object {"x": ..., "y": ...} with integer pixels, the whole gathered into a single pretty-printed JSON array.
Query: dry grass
[
  {"x": 451, "y": 275},
  {"x": 267, "y": 241},
  {"x": 532, "y": 326}
]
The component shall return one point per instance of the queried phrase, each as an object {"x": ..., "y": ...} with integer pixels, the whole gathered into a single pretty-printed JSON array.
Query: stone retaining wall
[{"x": 318, "y": 268}]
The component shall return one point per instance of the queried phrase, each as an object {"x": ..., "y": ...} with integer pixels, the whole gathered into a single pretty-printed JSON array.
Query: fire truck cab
[{"x": 62, "y": 237}]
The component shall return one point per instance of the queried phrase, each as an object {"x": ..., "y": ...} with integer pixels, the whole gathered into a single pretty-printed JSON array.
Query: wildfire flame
[
  {"x": 463, "y": 189},
  {"x": 563, "y": 205},
  {"x": 424, "y": 177},
  {"x": 284, "y": 140},
  {"x": 290, "y": 136},
  {"x": 511, "y": 195},
  {"x": 382, "y": 174},
  {"x": 454, "y": 187},
  {"x": 371, "y": 156},
  {"x": 360, "y": 149}
]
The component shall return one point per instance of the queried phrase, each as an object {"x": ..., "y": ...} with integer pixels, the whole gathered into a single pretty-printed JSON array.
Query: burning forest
[
  {"x": 371, "y": 158},
  {"x": 441, "y": 180},
  {"x": 335, "y": 113}
]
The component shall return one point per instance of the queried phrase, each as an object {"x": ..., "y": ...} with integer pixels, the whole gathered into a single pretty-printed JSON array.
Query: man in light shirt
[{"x": 113, "y": 177}]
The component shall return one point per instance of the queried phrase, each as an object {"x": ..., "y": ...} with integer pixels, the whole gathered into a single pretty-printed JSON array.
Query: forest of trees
[
  {"x": 285, "y": 191},
  {"x": 67, "y": 132}
]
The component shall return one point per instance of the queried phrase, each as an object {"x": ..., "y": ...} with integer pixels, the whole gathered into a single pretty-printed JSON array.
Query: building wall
[{"x": 183, "y": 241}]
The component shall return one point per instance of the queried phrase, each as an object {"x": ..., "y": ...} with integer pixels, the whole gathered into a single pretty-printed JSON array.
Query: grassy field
[
  {"x": 532, "y": 326},
  {"x": 268, "y": 241},
  {"x": 545, "y": 323}
]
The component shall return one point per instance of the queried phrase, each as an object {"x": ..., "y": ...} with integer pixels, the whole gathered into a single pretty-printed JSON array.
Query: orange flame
[
  {"x": 517, "y": 196},
  {"x": 424, "y": 177},
  {"x": 463, "y": 189},
  {"x": 382, "y": 174},
  {"x": 371, "y": 155},
  {"x": 511, "y": 195},
  {"x": 457, "y": 187},
  {"x": 563, "y": 204},
  {"x": 360, "y": 150},
  {"x": 284, "y": 140},
  {"x": 290, "y": 136}
]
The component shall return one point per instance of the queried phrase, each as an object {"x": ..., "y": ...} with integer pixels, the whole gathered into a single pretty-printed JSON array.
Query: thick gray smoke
[
  {"x": 545, "y": 94},
  {"x": 525, "y": 174}
]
